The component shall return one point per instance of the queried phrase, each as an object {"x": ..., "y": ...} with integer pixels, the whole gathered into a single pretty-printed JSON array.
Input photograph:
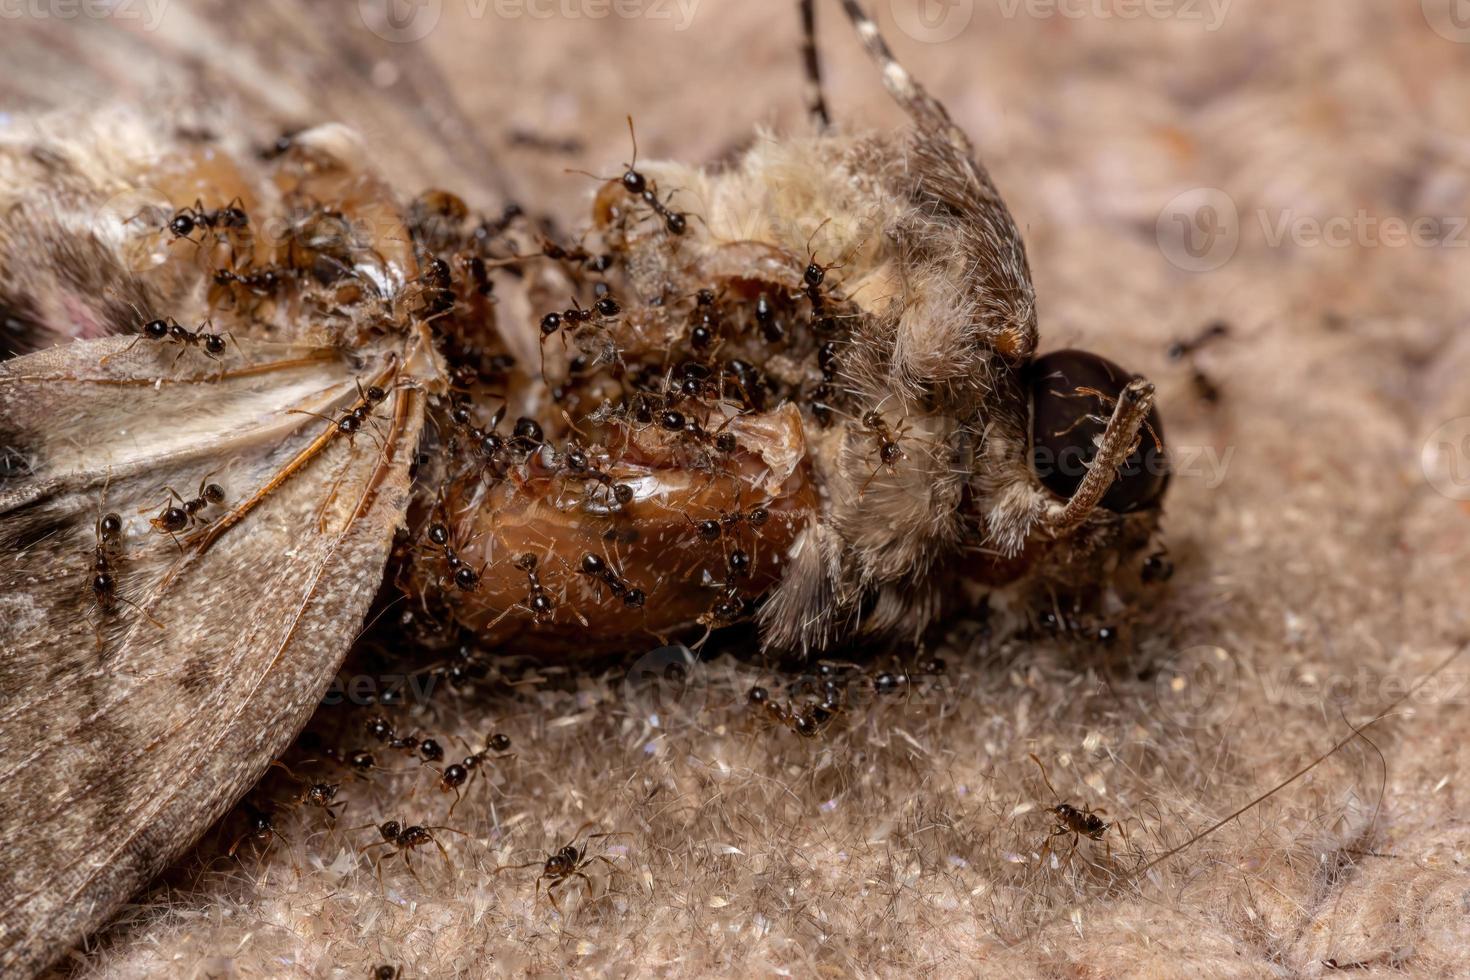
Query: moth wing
[
  {"x": 125, "y": 733},
  {"x": 267, "y": 66}
]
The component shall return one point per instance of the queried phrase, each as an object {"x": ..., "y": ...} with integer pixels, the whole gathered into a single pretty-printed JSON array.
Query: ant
[
  {"x": 597, "y": 568},
  {"x": 575, "y": 460},
  {"x": 457, "y": 774},
  {"x": 729, "y": 608},
  {"x": 1070, "y": 820},
  {"x": 815, "y": 274},
  {"x": 1181, "y": 350},
  {"x": 467, "y": 579},
  {"x": 229, "y": 223},
  {"x": 382, "y": 730},
  {"x": 231, "y": 217},
  {"x": 487, "y": 231},
  {"x": 435, "y": 291},
  {"x": 542, "y": 606},
  {"x": 258, "y": 827},
  {"x": 262, "y": 282},
  {"x": 563, "y": 865},
  {"x": 808, "y": 721},
  {"x": 174, "y": 332},
  {"x": 637, "y": 185},
  {"x": 387, "y": 972},
  {"x": 323, "y": 796},
  {"x": 351, "y": 421},
  {"x": 707, "y": 323},
  {"x": 109, "y": 546},
  {"x": 403, "y": 839},
  {"x": 889, "y": 451},
  {"x": 606, "y": 307},
  {"x": 174, "y": 518}
]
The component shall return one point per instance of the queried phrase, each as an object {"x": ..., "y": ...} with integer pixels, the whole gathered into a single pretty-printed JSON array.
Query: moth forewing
[{"x": 125, "y": 737}]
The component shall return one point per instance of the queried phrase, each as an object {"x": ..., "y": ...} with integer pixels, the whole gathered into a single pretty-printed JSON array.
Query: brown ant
[
  {"x": 637, "y": 185},
  {"x": 229, "y": 223},
  {"x": 1181, "y": 350},
  {"x": 808, "y": 721},
  {"x": 186, "y": 220},
  {"x": 575, "y": 461},
  {"x": 109, "y": 545},
  {"x": 706, "y": 320},
  {"x": 597, "y": 568},
  {"x": 403, "y": 839},
  {"x": 258, "y": 827},
  {"x": 382, "y": 730},
  {"x": 351, "y": 421},
  {"x": 185, "y": 514},
  {"x": 467, "y": 579},
  {"x": 541, "y": 605},
  {"x": 1072, "y": 821},
  {"x": 458, "y": 774},
  {"x": 323, "y": 796},
  {"x": 563, "y": 865},
  {"x": 487, "y": 230},
  {"x": 889, "y": 451},
  {"x": 260, "y": 282},
  {"x": 605, "y": 308},
  {"x": 171, "y": 330}
]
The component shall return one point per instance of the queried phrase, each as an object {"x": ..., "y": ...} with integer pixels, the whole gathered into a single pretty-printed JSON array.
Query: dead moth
[{"x": 802, "y": 389}]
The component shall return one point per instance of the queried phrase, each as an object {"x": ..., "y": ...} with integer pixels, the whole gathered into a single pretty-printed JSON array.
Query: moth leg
[
  {"x": 816, "y": 101},
  {"x": 1118, "y": 439}
]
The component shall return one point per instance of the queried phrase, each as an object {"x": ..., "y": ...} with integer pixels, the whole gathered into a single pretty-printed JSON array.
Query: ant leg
[
  {"x": 816, "y": 102},
  {"x": 443, "y": 853},
  {"x": 457, "y": 798},
  {"x": 1134, "y": 402},
  {"x": 108, "y": 357}
]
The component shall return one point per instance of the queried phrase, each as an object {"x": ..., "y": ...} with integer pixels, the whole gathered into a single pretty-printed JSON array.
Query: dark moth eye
[{"x": 1072, "y": 397}]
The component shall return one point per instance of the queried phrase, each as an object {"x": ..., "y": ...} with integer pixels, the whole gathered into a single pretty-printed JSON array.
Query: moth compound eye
[{"x": 1073, "y": 394}]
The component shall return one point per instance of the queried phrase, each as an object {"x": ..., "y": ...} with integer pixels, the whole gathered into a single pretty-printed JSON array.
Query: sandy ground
[{"x": 1299, "y": 174}]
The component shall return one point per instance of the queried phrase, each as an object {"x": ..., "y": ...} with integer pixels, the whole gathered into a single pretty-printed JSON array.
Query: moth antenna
[
  {"x": 816, "y": 101},
  {"x": 926, "y": 112}
]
